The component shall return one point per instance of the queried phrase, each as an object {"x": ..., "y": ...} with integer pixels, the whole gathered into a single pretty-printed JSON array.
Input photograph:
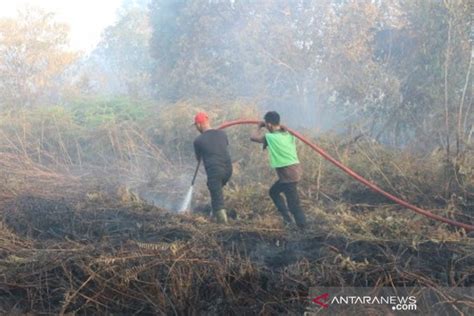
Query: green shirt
[{"x": 281, "y": 149}]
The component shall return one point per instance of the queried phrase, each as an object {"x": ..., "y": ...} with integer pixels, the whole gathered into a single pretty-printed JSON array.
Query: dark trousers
[
  {"x": 291, "y": 194},
  {"x": 215, "y": 183}
]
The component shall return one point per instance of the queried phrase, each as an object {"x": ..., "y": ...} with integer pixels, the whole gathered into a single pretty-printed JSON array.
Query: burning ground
[{"x": 96, "y": 256}]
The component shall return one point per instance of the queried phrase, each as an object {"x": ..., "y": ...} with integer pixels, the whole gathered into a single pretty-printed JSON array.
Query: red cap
[{"x": 200, "y": 118}]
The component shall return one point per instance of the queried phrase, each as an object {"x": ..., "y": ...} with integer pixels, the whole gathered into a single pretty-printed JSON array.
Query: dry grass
[
  {"x": 106, "y": 257},
  {"x": 79, "y": 235}
]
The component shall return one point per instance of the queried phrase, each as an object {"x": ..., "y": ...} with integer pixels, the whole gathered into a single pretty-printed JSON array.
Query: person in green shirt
[{"x": 283, "y": 158}]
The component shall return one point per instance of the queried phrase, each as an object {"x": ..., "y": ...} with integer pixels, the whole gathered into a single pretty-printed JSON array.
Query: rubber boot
[
  {"x": 286, "y": 216},
  {"x": 221, "y": 216}
]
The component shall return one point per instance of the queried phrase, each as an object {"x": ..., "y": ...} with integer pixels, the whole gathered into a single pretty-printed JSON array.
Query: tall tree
[
  {"x": 121, "y": 64},
  {"x": 192, "y": 50},
  {"x": 396, "y": 69},
  {"x": 33, "y": 56}
]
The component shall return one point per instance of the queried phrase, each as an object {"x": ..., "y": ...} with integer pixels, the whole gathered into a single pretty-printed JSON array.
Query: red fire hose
[{"x": 359, "y": 178}]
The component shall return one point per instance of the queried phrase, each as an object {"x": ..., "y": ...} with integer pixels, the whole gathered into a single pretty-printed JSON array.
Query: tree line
[{"x": 398, "y": 70}]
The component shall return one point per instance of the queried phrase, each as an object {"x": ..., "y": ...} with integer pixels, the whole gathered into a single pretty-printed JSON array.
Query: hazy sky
[{"x": 87, "y": 18}]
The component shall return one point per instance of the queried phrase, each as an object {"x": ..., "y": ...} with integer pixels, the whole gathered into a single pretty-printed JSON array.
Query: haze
[{"x": 87, "y": 18}]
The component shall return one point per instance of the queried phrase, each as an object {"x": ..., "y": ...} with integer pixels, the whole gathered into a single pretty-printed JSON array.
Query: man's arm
[
  {"x": 258, "y": 135},
  {"x": 197, "y": 151}
]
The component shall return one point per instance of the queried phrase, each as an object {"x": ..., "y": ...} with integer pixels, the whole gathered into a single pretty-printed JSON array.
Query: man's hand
[{"x": 258, "y": 135}]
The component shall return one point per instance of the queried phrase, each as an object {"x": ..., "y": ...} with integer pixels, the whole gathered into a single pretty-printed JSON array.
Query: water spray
[{"x": 189, "y": 195}]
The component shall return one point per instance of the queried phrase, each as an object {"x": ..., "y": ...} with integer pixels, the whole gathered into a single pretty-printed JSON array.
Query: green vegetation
[{"x": 91, "y": 113}]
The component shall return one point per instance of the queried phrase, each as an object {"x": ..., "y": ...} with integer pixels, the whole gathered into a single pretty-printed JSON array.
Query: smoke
[
  {"x": 164, "y": 192},
  {"x": 158, "y": 183}
]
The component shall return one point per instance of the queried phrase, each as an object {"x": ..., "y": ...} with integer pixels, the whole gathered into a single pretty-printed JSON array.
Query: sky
[{"x": 86, "y": 18}]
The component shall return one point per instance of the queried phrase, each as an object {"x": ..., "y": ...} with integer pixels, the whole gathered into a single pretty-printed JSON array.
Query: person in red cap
[{"x": 212, "y": 147}]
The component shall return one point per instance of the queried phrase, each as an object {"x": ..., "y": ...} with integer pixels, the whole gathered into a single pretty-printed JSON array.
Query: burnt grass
[{"x": 103, "y": 257}]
